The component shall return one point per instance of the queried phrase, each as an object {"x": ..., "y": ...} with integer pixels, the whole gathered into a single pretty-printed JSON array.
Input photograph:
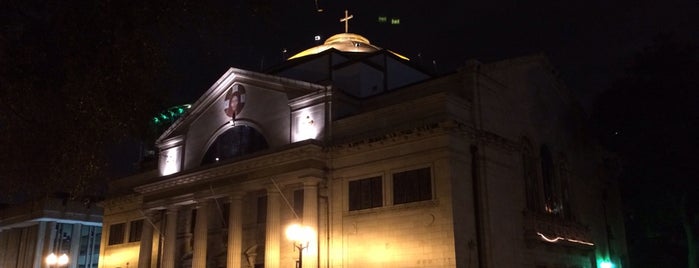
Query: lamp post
[
  {"x": 301, "y": 236},
  {"x": 52, "y": 259}
]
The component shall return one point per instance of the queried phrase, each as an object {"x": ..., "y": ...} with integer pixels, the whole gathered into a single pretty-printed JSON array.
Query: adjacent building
[
  {"x": 388, "y": 165},
  {"x": 70, "y": 230}
]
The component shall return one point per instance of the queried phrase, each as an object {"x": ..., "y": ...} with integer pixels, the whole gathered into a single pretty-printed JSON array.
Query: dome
[{"x": 345, "y": 42}]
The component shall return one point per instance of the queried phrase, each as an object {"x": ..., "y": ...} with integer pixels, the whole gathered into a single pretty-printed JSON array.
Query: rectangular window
[
  {"x": 365, "y": 193},
  {"x": 116, "y": 233},
  {"x": 135, "y": 230},
  {"x": 298, "y": 202},
  {"x": 412, "y": 186}
]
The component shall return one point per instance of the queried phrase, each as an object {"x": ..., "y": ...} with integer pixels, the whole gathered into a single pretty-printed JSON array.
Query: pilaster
[
  {"x": 235, "y": 231},
  {"x": 201, "y": 233},
  {"x": 170, "y": 237},
  {"x": 273, "y": 234}
]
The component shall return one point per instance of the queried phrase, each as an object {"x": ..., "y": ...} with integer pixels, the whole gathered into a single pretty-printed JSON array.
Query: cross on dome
[{"x": 346, "y": 20}]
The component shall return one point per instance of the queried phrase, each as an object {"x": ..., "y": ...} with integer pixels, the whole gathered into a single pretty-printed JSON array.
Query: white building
[
  {"x": 489, "y": 166},
  {"x": 31, "y": 232}
]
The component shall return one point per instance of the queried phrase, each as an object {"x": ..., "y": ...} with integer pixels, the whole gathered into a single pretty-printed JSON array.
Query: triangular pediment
[{"x": 242, "y": 112}]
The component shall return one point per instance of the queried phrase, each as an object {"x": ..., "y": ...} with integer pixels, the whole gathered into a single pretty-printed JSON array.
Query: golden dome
[{"x": 345, "y": 42}]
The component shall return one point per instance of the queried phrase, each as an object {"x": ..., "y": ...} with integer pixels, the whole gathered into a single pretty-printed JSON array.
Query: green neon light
[
  {"x": 395, "y": 21},
  {"x": 605, "y": 264},
  {"x": 171, "y": 114}
]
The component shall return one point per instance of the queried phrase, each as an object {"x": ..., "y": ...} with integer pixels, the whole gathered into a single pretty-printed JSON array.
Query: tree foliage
[{"x": 650, "y": 118}]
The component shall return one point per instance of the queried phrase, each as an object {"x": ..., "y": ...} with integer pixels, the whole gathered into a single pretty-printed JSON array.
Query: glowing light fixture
[
  {"x": 52, "y": 259},
  {"x": 170, "y": 162},
  {"x": 558, "y": 238},
  {"x": 606, "y": 264},
  {"x": 171, "y": 114},
  {"x": 395, "y": 21},
  {"x": 306, "y": 127},
  {"x": 301, "y": 236}
]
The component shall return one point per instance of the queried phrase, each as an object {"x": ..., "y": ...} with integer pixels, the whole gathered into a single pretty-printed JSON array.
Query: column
[
  {"x": 188, "y": 231},
  {"x": 273, "y": 233},
  {"x": 145, "y": 252},
  {"x": 235, "y": 231},
  {"x": 310, "y": 219},
  {"x": 170, "y": 236},
  {"x": 75, "y": 244},
  {"x": 39, "y": 255},
  {"x": 201, "y": 233}
]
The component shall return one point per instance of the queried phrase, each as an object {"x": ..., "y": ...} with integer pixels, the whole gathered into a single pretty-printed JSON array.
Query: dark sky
[{"x": 588, "y": 41}]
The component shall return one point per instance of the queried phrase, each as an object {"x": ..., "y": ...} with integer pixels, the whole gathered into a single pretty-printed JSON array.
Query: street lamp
[
  {"x": 301, "y": 236},
  {"x": 52, "y": 259}
]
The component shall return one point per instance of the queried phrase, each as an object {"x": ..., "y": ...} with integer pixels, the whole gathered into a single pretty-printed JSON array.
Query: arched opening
[{"x": 235, "y": 142}]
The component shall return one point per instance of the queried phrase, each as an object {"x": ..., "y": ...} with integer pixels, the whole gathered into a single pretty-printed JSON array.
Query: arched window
[
  {"x": 564, "y": 178},
  {"x": 531, "y": 180},
  {"x": 551, "y": 187},
  {"x": 235, "y": 142}
]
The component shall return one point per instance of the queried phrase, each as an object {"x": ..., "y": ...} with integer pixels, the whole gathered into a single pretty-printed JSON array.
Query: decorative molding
[
  {"x": 451, "y": 126},
  {"x": 304, "y": 151}
]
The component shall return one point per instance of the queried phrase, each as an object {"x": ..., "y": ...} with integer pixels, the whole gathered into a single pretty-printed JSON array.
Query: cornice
[
  {"x": 445, "y": 127},
  {"x": 254, "y": 163}
]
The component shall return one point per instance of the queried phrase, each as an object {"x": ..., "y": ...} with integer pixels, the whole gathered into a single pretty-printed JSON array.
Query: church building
[{"x": 349, "y": 155}]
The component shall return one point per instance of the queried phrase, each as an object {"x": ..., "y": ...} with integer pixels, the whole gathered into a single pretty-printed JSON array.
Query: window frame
[
  {"x": 381, "y": 191},
  {"x": 135, "y": 237},
  {"x": 430, "y": 179},
  {"x": 110, "y": 234}
]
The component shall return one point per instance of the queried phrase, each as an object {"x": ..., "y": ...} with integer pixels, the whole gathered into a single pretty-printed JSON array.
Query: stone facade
[{"x": 489, "y": 166}]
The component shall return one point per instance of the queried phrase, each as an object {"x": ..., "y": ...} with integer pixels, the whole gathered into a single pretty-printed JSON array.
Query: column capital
[
  {"x": 311, "y": 180},
  {"x": 202, "y": 202},
  {"x": 236, "y": 195},
  {"x": 272, "y": 188},
  {"x": 172, "y": 209}
]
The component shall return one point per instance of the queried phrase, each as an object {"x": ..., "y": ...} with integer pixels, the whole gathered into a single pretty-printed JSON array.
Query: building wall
[
  {"x": 470, "y": 129},
  {"x": 30, "y": 232}
]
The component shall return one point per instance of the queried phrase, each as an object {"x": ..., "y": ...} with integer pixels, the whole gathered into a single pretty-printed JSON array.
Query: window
[
  {"x": 563, "y": 178},
  {"x": 298, "y": 202},
  {"x": 531, "y": 179},
  {"x": 135, "y": 230},
  {"x": 235, "y": 142},
  {"x": 365, "y": 193},
  {"x": 116, "y": 233},
  {"x": 412, "y": 186},
  {"x": 554, "y": 184}
]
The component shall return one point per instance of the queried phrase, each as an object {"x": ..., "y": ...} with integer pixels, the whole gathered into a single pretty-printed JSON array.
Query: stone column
[
  {"x": 235, "y": 231},
  {"x": 145, "y": 251},
  {"x": 39, "y": 255},
  {"x": 170, "y": 237},
  {"x": 75, "y": 244},
  {"x": 188, "y": 231},
  {"x": 310, "y": 219},
  {"x": 201, "y": 233},
  {"x": 273, "y": 233}
]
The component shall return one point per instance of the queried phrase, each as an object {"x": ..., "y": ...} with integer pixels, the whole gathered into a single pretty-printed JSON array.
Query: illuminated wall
[
  {"x": 170, "y": 160},
  {"x": 263, "y": 106}
]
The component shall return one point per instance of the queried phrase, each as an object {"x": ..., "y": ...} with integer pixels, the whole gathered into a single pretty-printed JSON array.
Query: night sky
[{"x": 589, "y": 42}]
